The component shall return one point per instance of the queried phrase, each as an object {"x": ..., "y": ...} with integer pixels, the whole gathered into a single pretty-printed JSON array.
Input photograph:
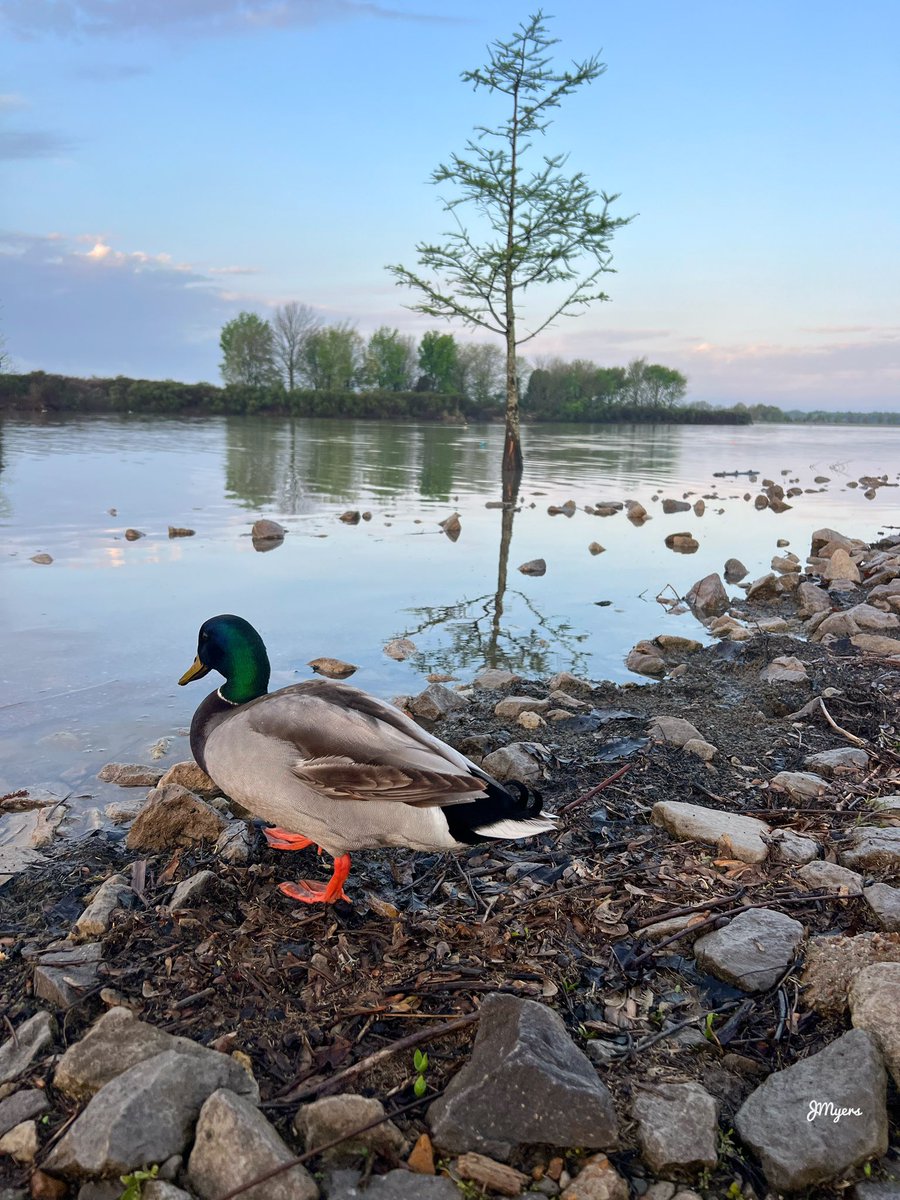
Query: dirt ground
[{"x": 306, "y": 993}]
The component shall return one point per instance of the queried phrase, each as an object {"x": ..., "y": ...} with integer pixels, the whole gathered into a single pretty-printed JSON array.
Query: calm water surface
[{"x": 93, "y": 644}]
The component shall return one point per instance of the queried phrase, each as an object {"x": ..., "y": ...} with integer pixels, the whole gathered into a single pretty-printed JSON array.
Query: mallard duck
[{"x": 330, "y": 766}]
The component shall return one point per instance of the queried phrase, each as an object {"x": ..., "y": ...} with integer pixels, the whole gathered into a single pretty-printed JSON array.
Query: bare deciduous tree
[{"x": 291, "y": 326}]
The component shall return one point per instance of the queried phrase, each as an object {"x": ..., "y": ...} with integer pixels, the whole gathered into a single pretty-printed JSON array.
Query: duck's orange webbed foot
[
  {"x": 310, "y": 891},
  {"x": 283, "y": 839}
]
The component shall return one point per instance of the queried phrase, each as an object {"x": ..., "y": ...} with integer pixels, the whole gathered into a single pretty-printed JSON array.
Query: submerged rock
[
  {"x": 708, "y": 598},
  {"x": 536, "y": 566},
  {"x": 332, "y": 668}
]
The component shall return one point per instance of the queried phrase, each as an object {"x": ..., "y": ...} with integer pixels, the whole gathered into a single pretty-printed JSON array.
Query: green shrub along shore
[{"x": 39, "y": 392}]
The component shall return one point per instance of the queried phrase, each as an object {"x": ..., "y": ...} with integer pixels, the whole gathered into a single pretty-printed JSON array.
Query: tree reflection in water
[{"x": 476, "y": 635}]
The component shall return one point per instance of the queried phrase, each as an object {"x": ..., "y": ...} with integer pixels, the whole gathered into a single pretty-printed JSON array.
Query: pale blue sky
[{"x": 166, "y": 163}]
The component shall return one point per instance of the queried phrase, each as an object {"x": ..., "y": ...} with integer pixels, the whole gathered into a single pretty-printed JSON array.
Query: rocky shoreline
[{"x": 691, "y": 989}]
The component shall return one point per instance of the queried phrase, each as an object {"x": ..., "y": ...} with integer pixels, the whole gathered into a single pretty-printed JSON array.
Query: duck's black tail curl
[{"x": 507, "y": 810}]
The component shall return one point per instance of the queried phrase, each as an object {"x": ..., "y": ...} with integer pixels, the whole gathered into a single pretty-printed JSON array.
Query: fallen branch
[
  {"x": 371, "y": 1060},
  {"x": 599, "y": 788},
  {"x": 851, "y": 737}
]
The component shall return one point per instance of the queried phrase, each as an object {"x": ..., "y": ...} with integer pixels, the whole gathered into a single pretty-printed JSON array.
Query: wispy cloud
[
  {"x": 88, "y": 307},
  {"x": 33, "y": 143},
  {"x": 10, "y": 101},
  {"x": 111, "y": 18},
  {"x": 234, "y": 270}
]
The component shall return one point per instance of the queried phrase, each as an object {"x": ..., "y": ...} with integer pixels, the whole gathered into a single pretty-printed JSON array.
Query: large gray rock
[
  {"x": 677, "y": 1126},
  {"x": 811, "y": 600},
  {"x": 786, "y": 669},
  {"x": 173, "y": 816},
  {"x": 526, "y": 1081},
  {"x": 21, "y": 1106},
  {"x": 798, "y": 1148},
  {"x": 436, "y": 701},
  {"x": 872, "y": 848},
  {"x": 144, "y": 1115},
  {"x": 492, "y": 678},
  {"x": 20, "y": 1051},
  {"x": 788, "y": 846},
  {"x": 572, "y": 685},
  {"x": 234, "y": 1144},
  {"x": 753, "y": 951},
  {"x": 63, "y": 974},
  {"x": 800, "y": 785},
  {"x": 515, "y": 761},
  {"x": 395, "y": 1185},
  {"x": 674, "y": 731},
  {"x": 735, "y": 835},
  {"x": 845, "y": 760},
  {"x": 336, "y": 1116},
  {"x": 875, "y": 1007},
  {"x": 117, "y": 1041},
  {"x": 828, "y": 876},
  {"x": 884, "y": 901}
]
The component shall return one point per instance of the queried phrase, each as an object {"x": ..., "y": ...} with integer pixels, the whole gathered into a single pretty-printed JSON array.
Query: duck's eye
[{"x": 204, "y": 637}]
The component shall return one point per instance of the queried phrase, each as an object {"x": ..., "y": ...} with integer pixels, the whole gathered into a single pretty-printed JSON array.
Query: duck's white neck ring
[{"x": 233, "y": 703}]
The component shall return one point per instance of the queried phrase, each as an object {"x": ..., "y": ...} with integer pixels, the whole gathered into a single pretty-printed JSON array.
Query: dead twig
[
  {"x": 851, "y": 737},
  {"x": 599, "y": 788}
]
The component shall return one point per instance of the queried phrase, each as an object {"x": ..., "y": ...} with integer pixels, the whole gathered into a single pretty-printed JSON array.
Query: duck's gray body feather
[{"x": 339, "y": 766}]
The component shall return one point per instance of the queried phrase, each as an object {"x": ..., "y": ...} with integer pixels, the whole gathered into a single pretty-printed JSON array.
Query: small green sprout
[
  {"x": 135, "y": 1181},
  {"x": 420, "y": 1062}
]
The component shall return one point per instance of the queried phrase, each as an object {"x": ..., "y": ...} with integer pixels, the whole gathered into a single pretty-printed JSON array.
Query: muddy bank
[{"x": 715, "y": 924}]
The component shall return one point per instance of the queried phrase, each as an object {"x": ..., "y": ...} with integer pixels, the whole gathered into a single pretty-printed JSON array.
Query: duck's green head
[{"x": 231, "y": 646}]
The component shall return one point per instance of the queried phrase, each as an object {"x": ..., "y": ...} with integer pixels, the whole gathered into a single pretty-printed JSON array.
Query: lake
[{"x": 93, "y": 644}]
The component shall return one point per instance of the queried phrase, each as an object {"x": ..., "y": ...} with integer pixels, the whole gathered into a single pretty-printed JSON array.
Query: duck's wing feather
[
  {"x": 353, "y": 746},
  {"x": 343, "y": 779}
]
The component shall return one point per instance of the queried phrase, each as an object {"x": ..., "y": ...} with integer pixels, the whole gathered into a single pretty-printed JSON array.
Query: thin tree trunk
[{"x": 511, "y": 473}]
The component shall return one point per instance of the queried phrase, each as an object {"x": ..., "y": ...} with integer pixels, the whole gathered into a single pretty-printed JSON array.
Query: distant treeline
[
  {"x": 640, "y": 392},
  {"x": 819, "y": 416},
  {"x": 41, "y": 392}
]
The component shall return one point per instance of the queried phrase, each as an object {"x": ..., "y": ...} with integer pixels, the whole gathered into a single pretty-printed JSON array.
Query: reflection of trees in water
[
  {"x": 293, "y": 463},
  {"x": 5, "y": 506},
  {"x": 478, "y": 637}
]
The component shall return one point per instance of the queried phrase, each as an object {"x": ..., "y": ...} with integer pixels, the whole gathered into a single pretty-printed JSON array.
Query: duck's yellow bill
[{"x": 195, "y": 671}]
